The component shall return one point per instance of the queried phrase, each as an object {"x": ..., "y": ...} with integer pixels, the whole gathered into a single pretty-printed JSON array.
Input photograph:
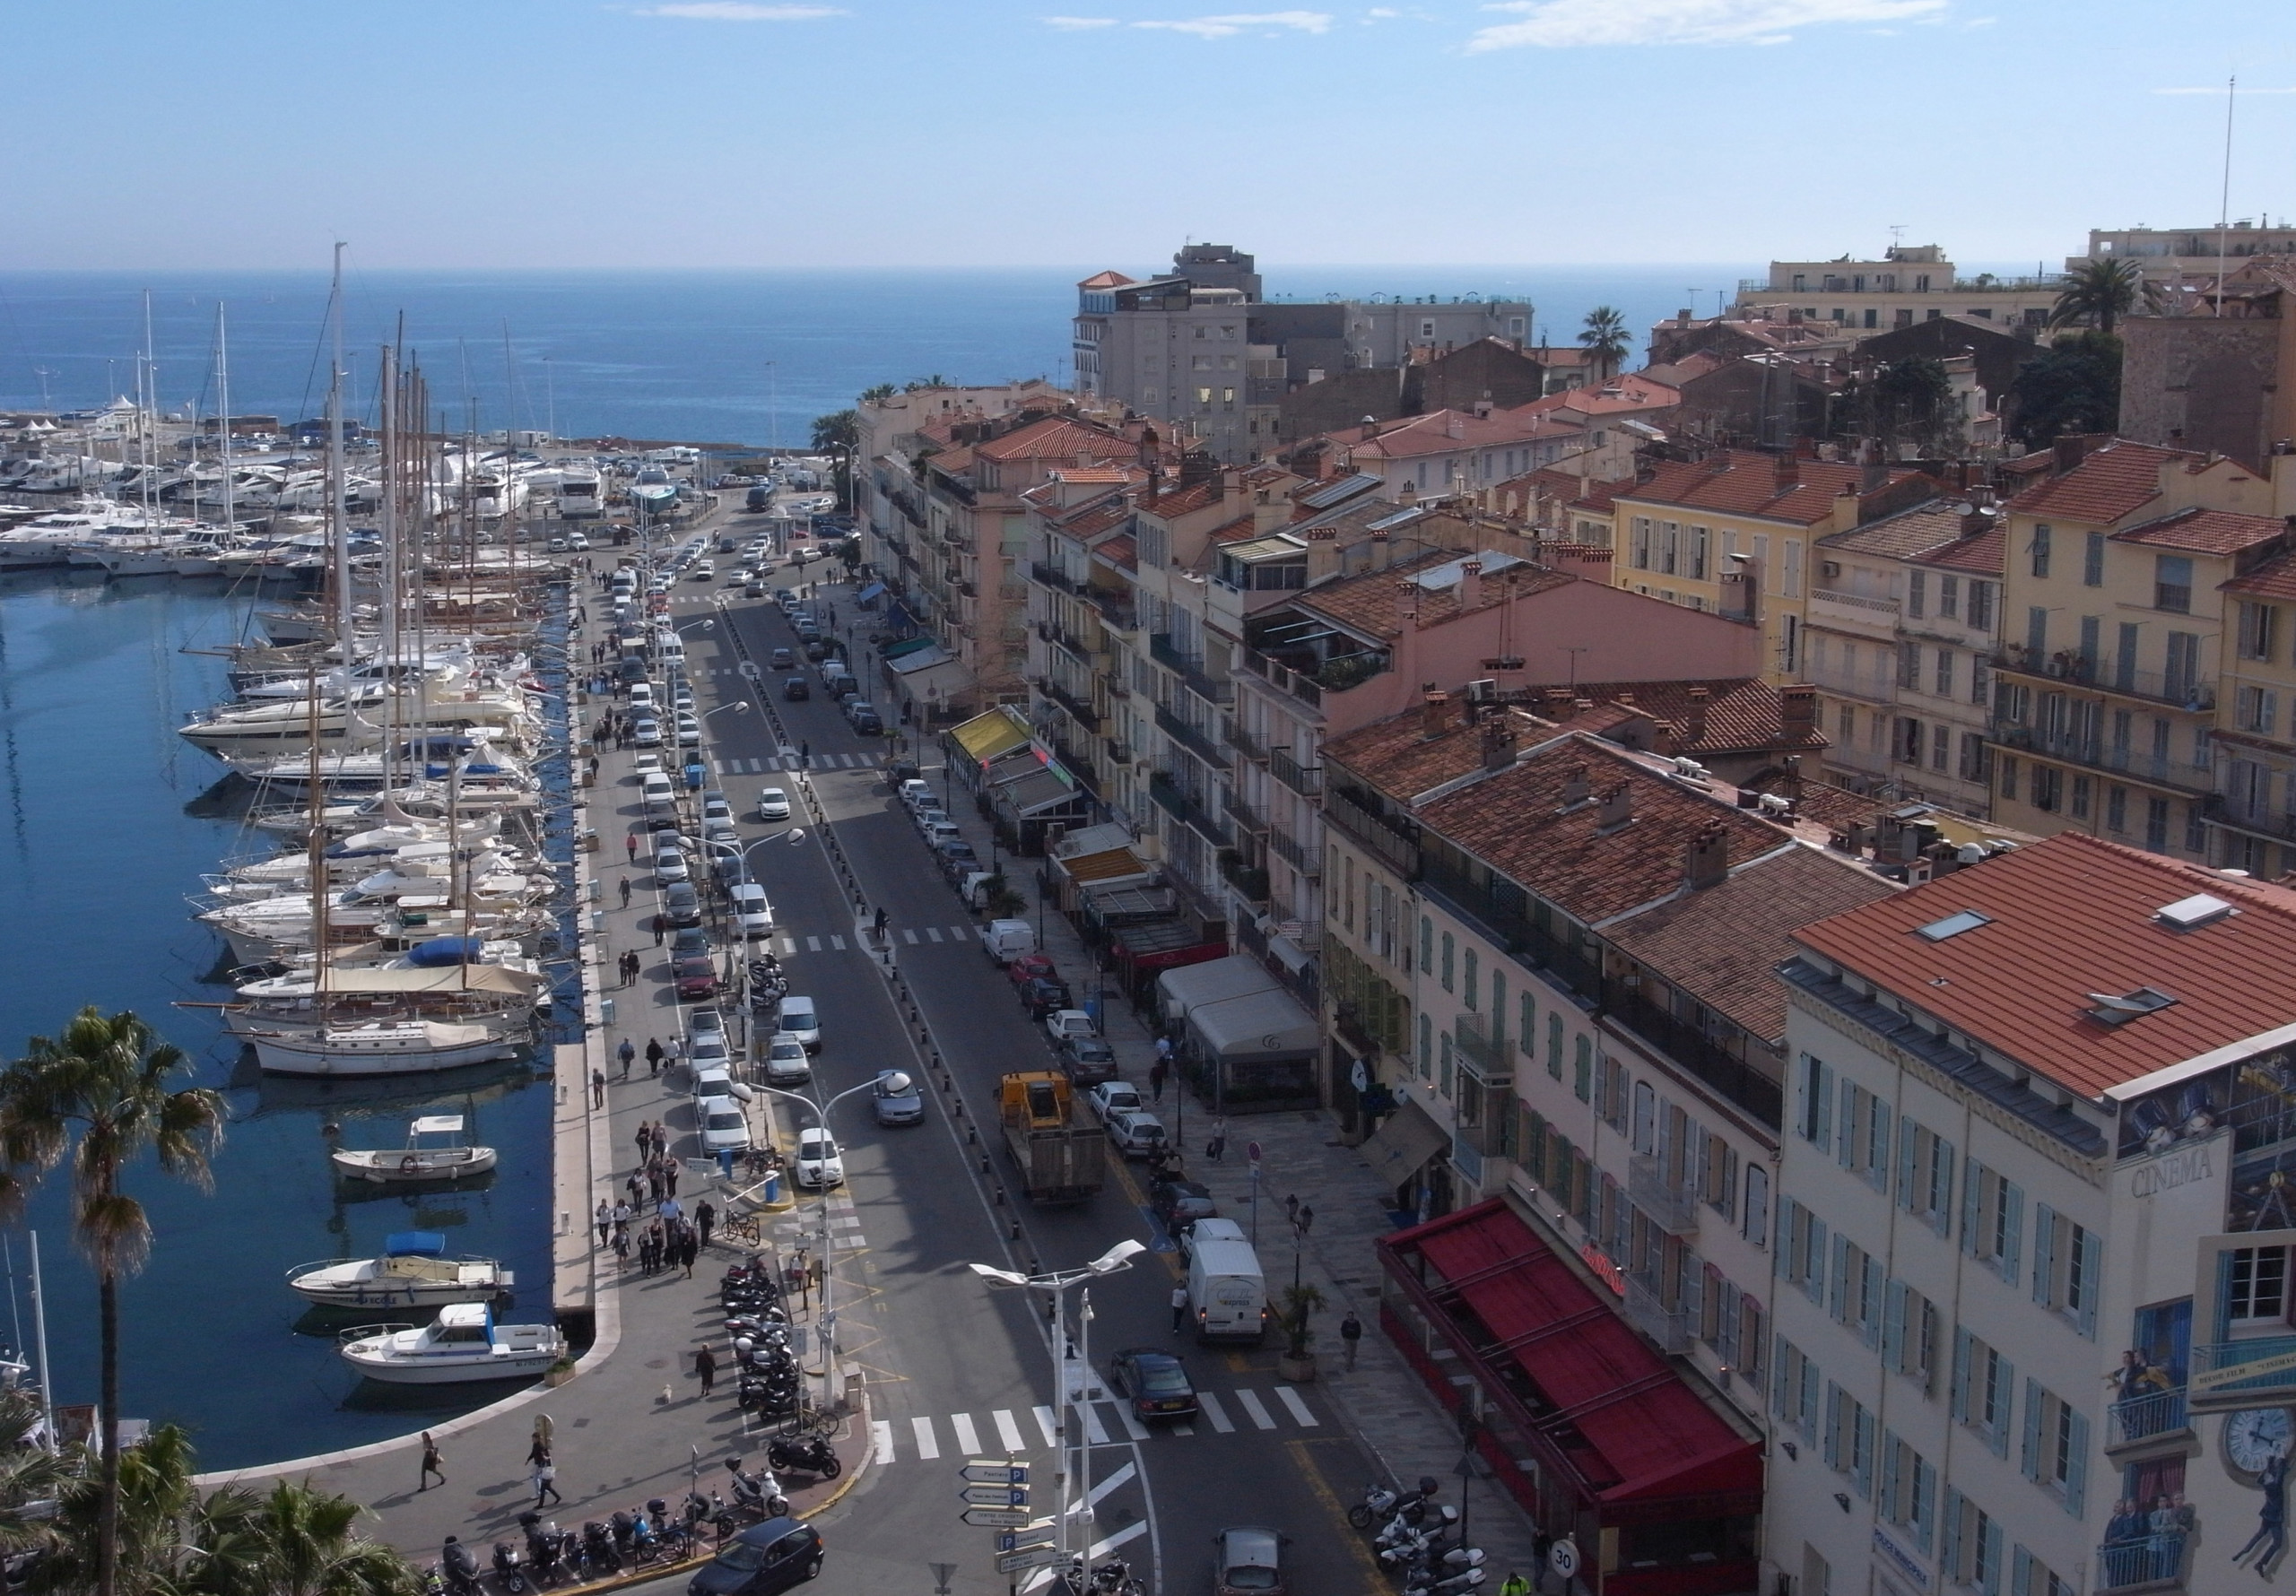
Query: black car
[
  {"x": 899, "y": 771},
  {"x": 1088, "y": 1060},
  {"x": 958, "y": 860},
  {"x": 1179, "y": 1203},
  {"x": 816, "y": 650},
  {"x": 797, "y": 689},
  {"x": 682, "y": 904},
  {"x": 777, "y": 1555},
  {"x": 690, "y": 943},
  {"x": 1043, "y": 995},
  {"x": 1155, "y": 1383},
  {"x": 867, "y": 723}
]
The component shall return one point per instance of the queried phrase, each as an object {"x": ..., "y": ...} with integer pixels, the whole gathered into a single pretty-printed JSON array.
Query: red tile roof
[
  {"x": 1056, "y": 437},
  {"x": 1984, "y": 555},
  {"x": 1370, "y": 604},
  {"x": 1455, "y": 431},
  {"x": 2111, "y": 483},
  {"x": 1737, "y": 482},
  {"x": 1179, "y": 501},
  {"x": 1744, "y": 714},
  {"x": 2274, "y": 578},
  {"x": 1906, "y": 535},
  {"x": 1106, "y": 280},
  {"x": 1120, "y": 551},
  {"x": 2068, "y": 917},
  {"x": 2206, "y": 531},
  {"x": 1636, "y": 391}
]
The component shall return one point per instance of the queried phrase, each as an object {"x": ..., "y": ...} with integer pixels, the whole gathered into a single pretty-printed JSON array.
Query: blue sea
[{"x": 742, "y": 358}]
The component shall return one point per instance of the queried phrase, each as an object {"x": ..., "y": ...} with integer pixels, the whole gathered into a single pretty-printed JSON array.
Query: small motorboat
[
  {"x": 463, "y": 1344},
  {"x": 435, "y": 1151},
  {"x": 413, "y": 1272}
]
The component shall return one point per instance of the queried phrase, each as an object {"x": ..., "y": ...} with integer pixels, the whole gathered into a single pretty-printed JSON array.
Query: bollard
[
  {"x": 972, "y": 1137},
  {"x": 984, "y": 1163},
  {"x": 1016, "y": 1230},
  {"x": 1000, "y": 1196}
]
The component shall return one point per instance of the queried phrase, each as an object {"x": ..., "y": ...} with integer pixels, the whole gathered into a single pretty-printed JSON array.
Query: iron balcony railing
[
  {"x": 1203, "y": 746},
  {"x": 2140, "y": 1419},
  {"x": 1672, "y": 1207},
  {"x": 1289, "y": 848},
  {"x": 1078, "y": 709},
  {"x": 1187, "y": 810},
  {"x": 2179, "y": 690},
  {"x": 1307, "y": 781},
  {"x": 1392, "y": 848},
  {"x": 1189, "y": 668},
  {"x": 1282, "y": 677}
]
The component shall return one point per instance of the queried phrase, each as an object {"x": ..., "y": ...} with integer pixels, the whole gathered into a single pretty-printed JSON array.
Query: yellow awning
[{"x": 986, "y": 736}]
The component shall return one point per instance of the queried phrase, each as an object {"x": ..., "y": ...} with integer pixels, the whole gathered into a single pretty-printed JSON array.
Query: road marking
[
  {"x": 1184, "y": 1429},
  {"x": 1100, "y": 1549},
  {"x": 911, "y": 935},
  {"x": 1260, "y": 1415},
  {"x": 813, "y": 944},
  {"x": 927, "y": 1446},
  {"x": 854, "y": 1220},
  {"x": 934, "y": 932},
  {"x": 880, "y": 1435},
  {"x": 1214, "y": 1411},
  {"x": 1121, "y": 1477},
  {"x": 837, "y": 942},
  {"x": 1044, "y": 1423},
  {"x": 968, "y": 1439},
  {"x": 1008, "y": 1430},
  {"x": 1094, "y": 1431},
  {"x": 788, "y": 944},
  {"x": 1299, "y": 1409},
  {"x": 960, "y": 934},
  {"x": 1131, "y": 1425}
]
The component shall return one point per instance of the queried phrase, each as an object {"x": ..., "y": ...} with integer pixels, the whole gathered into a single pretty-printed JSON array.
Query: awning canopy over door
[{"x": 1402, "y": 1144}]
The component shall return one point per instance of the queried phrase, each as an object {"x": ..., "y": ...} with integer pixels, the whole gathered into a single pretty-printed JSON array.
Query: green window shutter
[
  {"x": 1891, "y": 1477},
  {"x": 2021, "y": 1576},
  {"x": 1989, "y": 1558},
  {"x": 2044, "y": 1252},
  {"x": 1833, "y": 1427},
  {"x": 1958, "y": 1402},
  {"x": 1815, "y": 1284},
  {"x": 1781, "y": 1401},
  {"x": 1939, "y": 1197},
  {"x": 1826, "y": 1105},
  {"x": 1846, "y": 1145},
  {"x": 2029, "y": 1460},
  {"x": 2076, "y": 1467},
  {"x": 1908, "y": 1145}
]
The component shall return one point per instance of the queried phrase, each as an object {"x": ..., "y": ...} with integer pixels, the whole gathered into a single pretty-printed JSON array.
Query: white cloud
[
  {"x": 1569, "y": 24},
  {"x": 1228, "y": 27},
  {"x": 1077, "y": 24},
  {"x": 2219, "y": 88},
  {"x": 738, "y": 11}
]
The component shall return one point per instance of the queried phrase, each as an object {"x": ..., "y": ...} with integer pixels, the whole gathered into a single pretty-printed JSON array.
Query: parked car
[
  {"x": 786, "y": 1064},
  {"x": 682, "y": 904},
  {"x": 697, "y": 979},
  {"x": 714, "y": 806},
  {"x": 1088, "y": 1060},
  {"x": 690, "y": 942},
  {"x": 762, "y": 1560},
  {"x": 753, "y": 910},
  {"x": 1135, "y": 1134},
  {"x": 773, "y": 805},
  {"x": 1027, "y": 967},
  {"x": 1153, "y": 1381},
  {"x": 669, "y": 865},
  {"x": 915, "y": 793},
  {"x": 897, "y": 1100},
  {"x": 644, "y": 765},
  {"x": 1065, "y": 1023},
  {"x": 1114, "y": 1097},
  {"x": 816, "y": 650},
  {"x": 796, "y": 689},
  {"x": 724, "y": 1128},
  {"x": 820, "y": 1163},
  {"x": 1180, "y": 1204},
  {"x": 1044, "y": 996},
  {"x": 689, "y": 731},
  {"x": 800, "y": 1019},
  {"x": 1248, "y": 1560},
  {"x": 646, "y": 732},
  {"x": 937, "y": 832},
  {"x": 957, "y": 859},
  {"x": 712, "y": 1078}
]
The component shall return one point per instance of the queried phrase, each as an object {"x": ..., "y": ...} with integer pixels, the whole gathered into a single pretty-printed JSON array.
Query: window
[
  {"x": 1981, "y": 606},
  {"x": 1802, "y": 1239},
  {"x": 1984, "y": 1386},
  {"x": 1980, "y": 680},
  {"x": 1555, "y": 1044},
  {"x": 1973, "y": 756},
  {"x": 1526, "y": 1016},
  {"x": 1909, "y": 1490},
  {"x": 2172, "y": 583},
  {"x": 2008, "y": 777},
  {"x": 1926, "y": 1175},
  {"x": 1644, "y": 1136},
  {"x": 1910, "y": 1325},
  {"x": 1426, "y": 1046},
  {"x": 1426, "y": 943},
  {"x": 1849, "y": 1438},
  {"x": 1427, "y": 327},
  {"x": 1917, "y": 594},
  {"x": 1669, "y": 546},
  {"x": 1858, "y": 1281},
  {"x": 1909, "y": 664},
  {"x": 1582, "y": 1069},
  {"x": 1794, "y": 1393},
  {"x": 1792, "y": 582},
  {"x": 1949, "y": 598},
  {"x": 1204, "y": 397},
  {"x": 2056, "y": 1451},
  {"x": 1754, "y": 1226},
  {"x": 1941, "y": 746},
  {"x": 2116, "y": 810},
  {"x": 1846, "y": 721},
  {"x": 2092, "y": 561},
  {"x": 1698, "y": 537},
  {"x": 2260, "y": 631},
  {"x": 2049, "y": 787},
  {"x": 2066, "y": 1260},
  {"x": 2156, "y": 825},
  {"x": 2082, "y": 789},
  {"x": 2038, "y": 549},
  {"x": 2255, "y": 709},
  {"x": 1448, "y": 947},
  {"x": 2035, "y": 635},
  {"x": 1443, "y": 1075},
  {"x": 1813, "y": 1102},
  {"x": 1863, "y": 1145},
  {"x": 1472, "y": 987},
  {"x": 1972, "y": 1544},
  {"x": 1942, "y": 679},
  {"x": 2181, "y": 682},
  {"x": 1641, "y": 545},
  {"x": 2030, "y": 1576},
  {"x": 2256, "y": 1283}
]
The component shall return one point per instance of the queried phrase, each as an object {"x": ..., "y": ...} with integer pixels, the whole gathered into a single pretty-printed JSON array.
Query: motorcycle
[
  {"x": 598, "y": 1554},
  {"x": 759, "y": 1494},
  {"x": 508, "y": 1571},
  {"x": 1381, "y": 1501},
  {"x": 459, "y": 1568},
  {"x": 811, "y": 1455},
  {"x": 1456, "y": 1585}
]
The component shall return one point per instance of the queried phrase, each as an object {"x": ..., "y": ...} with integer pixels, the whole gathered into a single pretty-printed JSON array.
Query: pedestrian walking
[
  {"x": 705, "y": 1220},
  {"x": 1179, "y": 1308},
  {"x": 597, "y": 1088},
  {"x": 429, "y": 1464},
  {"x": 670, "y": 1178},
  {"x": 645, "y": 1139},
  {"x": 880, "y": 926},
  {"x": 606, "y": 1222},
  {"x": 1351, "y": 1334},
  {"x": 804, "y": 755},
  {"x": 630, "y": 843},
  {"x": 674, "y": 1054},
  {"x": 545, "y": 1481},
  {"x": 626, "y": 1053},
  {"x": 1515, "y": 1585},
  {"x": 1156, "y": 1074},
  {"x": 672, "y": 1209},
  {"x": 625, "y": 890},
  {"x": 653, "y": 1055},
  {"x": 689, "y": 1250},
  {"x": 660, "y": 924},
  {"x": 1214, "y": 1148},
  {"x": 705, "y": 1365},
  {"x": 622, "y": 1246},
  {"x": 621, "y": 1212}
]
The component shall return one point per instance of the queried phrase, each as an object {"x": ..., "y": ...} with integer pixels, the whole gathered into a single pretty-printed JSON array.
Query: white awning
[
  {"x": 1258, "y": 1025},
  {"x": 1213, "y": 981}
]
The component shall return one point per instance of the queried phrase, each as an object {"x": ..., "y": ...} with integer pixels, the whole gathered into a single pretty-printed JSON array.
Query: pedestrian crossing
[
  {"x": 835, "y": 943},
  {"x": 915, "y": 936},
  {"x": 770, "y": 763},
  {"x": 1000, "y": 1430}
]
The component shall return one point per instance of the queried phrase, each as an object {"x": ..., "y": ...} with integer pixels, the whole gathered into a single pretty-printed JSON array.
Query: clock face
[{"x": 2254, "y": 1436}]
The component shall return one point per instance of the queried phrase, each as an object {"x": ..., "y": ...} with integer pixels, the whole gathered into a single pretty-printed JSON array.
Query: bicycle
[{"x": 742, "y": 1228}]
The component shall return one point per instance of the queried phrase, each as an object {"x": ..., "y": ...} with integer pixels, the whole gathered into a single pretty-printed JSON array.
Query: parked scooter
[
  {"x": 509, "y": 1570},
  {"x": 759, "y": 1494},
  {"x": 458, "y": 1569},
  {"x": 811, "y": 1455},
  {"x": 1381, "y": 1501}
]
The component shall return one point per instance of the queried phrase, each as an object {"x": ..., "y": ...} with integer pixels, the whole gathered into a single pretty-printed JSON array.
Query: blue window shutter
[
  {"x": 2076, "y": 1467},
  {"x": 2008, "y": 1402},
  {"x": 1869, "y": 1301},
  {"x": 1826, "y": 1105},
  {"x": 2044, "y": 1250},
  {"x": 1833, "y": 1427},
  {"x": 1958, "y": 1402},
  {"x": 1877, "y": 1163},
  {"x": 1951, "y": 1540},
  {"x": 1802, "y": 1117},
  {"x": 1890, "y": 1476},
  {"x": 1837, "y": 1298},
  {"x": 1925, "y": 1503},
  {"x": 1786, "y": 1258},
  {"x": 1989, "y": 1558},
  {"x": 1972, "y": 1188},
  {"x": 2091, "y": 1286},
  {"x": 1907, "y": 1137},
  {"x": 1893, "y": 1327},
  {"x": 1781, "y": 1401},
  {"x": 2029, "y": 1459},
  {"x": 1815, "y": 1282},
  {"x": 1846, "y": 1145},
  {"x": 1939, "y": 1197},
  {"x": 2012, "y": 1205},
  {"x": 2021, "y": 1578},
  {"x": 1809, "y": 1392},
  {"x": 1862, "y": 1453}
]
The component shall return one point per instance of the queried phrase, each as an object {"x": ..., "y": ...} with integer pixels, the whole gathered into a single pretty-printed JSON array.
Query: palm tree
[
  {"x": 30, "y": 1474},
  {"x": 877, "y": 392},
  {"x": 298, "y": 1540},
  {"x": 106, "y": 1083},
  {"x": 130, "y": 1528},
  {"x": 1606, "y": 337},
  {"x": 2101, "y": 292},
  {"x": 838, "y": 426}
]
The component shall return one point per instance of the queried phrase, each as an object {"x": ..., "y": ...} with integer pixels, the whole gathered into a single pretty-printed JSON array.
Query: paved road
[{"x": 954, "y": 1367}]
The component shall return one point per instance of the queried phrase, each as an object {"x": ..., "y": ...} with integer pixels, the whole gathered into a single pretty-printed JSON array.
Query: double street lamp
[{"x": 1056, "y": 1284}]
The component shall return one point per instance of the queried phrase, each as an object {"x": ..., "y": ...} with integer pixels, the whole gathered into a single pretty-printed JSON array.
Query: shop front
[{"x": 1600, "y": 1438}]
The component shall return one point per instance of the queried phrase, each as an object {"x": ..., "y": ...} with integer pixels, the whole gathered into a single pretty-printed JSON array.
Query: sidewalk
[{"x": 631, "y": 1423}]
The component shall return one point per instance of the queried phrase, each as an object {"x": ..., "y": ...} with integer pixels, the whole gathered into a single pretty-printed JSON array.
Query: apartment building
[
  {"x": 2170, "y": 253},
  {"x": 2031, "y": 1314},
  {"x": 2113, "y": 619},
  {"x": 1903, "y": 623},
  {"x": 2252, "y": 814},
  {"x": 1730, "y": 534},
  {"x": 1909, "y": 283}
]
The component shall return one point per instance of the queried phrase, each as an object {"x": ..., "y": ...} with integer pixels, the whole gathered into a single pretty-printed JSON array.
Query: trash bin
[
  {"x": 606, "y": 1011},
  {"x": 773, "y": 1186},
  {"x": 726, "y": 1163}
]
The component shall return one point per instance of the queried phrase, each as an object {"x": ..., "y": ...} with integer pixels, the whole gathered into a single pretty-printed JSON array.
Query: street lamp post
[
  {"x": 827, "y": 1318},
  {"x": 1056, "y": 1283}
]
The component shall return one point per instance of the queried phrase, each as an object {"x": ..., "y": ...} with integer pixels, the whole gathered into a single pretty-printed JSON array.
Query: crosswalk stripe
[
  {"x": 911, "y": 935},
  {"x": 1252, "y": 1405},
  {"x": 881, "y": 1435},
  {"x": 837, "y": 942},
  {"x": 928, "y": 1446},
  {"x": 1213, "y": 1410},
  {"x": 968, "y": 1439},
  {"x": 1291, "y": 1399},
  {"x": 1115, "y": 1481},
  {"x": 1131, "y": 1425},
  {"x": 959, "y": 933},
  {"x": 813, "y": 944},
  {"x": 1044, "y": 1423},
  {"x": 1008, "y": 1430},
  {"x": 934, "y": 932},
  {"x": 788, "y": 944},
  {"x": 1094, "y": 1430}
]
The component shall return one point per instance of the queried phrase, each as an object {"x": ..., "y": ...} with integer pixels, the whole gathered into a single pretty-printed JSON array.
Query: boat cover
[
  {"x": 455, "y": 977},
  {"x": 444, "y": 953},
  {"x": 423, "y": 1243}
]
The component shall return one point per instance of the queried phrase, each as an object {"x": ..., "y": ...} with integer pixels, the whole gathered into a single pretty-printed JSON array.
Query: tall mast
[
  {"x": 337, "y": 530},
  {"x": 387, "y": 607},
  {"x": 224, "y": 394},
  {"x": 147, "y": 417}
]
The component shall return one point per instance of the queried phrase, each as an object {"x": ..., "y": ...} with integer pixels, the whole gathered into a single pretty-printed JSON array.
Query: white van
[
  {"x": 753, "y": 912},
  {"x": 799, "y": 1020},
  {"x": 1206, "y": 1231},
  {"x": 1227, "y": 1291},
  {"x": 657, "y": 789},
  {"x": 1005, "y": 940}
]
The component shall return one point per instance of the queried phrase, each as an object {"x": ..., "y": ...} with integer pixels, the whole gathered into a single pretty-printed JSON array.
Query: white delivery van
[
  {"x": 1226, "y": 1291},
  {"x": 1008, "y": 940}
]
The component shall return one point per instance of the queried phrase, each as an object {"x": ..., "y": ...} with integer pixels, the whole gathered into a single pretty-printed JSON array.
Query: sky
[{"x": 732, "y": 134}]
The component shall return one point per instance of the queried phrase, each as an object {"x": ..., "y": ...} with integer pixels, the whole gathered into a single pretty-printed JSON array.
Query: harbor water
[{"x": 109, "y": 822}]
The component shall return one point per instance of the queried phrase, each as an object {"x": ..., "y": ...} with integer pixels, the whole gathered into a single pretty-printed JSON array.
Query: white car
[
  {"x": 773, "y": 805},
  {"x": 1135, "y": 1134},
  {"x": 723, "y": 1127},
  {"x": 819, "y": 1161},
  {"x": 915, "y": 792},
  {"x": 712, "y": 1080},
  {"x": 786, "y": 1064},
  {"x": 577, "y": 542},
  {"x": 800, "y": 1019},
  {"x": 714, "y": 807},
  {"x": 1115, "y": 1097},
  {"x": 641, "y": 696},
  {"x": 648, "y": 763},
  {"x": 706, "y": 1050},
  {"x": 752, "y": 911},
  {"x": 670, "y": 865},
  {"x": 704, "y": 571},
  {"x": 1064, "y": 1023},
  {"x": 689, "y": 732}
]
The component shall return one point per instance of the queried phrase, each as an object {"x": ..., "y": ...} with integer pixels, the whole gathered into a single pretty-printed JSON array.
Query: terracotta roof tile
[
  {"x": 1056, "y": 437},
  {"x": 1984, "y": 555},
  {"x": 2110, "y": 484},
  {"x": 1723, "y": 945},
  {"x": 2206, "y": 531},
  {"x": 1744, "y": 714},
  {"x": 1396, "y": 756},
  {"x": 1906, "y": 535},
  {"x": 1453, "y": 431},
  {"x": 1367, "y": 604},
  {"x": 1120, "y": 551},
  {"x": 1179, "y": 501},
  {"x": 2068, "y": 917},
  {"x": 1741, "y": 483},
  {"x": 1106, "y": 280},
  {"x": 1635, "y": 390},
  {"x": 1238, "y": 530},
  {"x": 2274, "y": 578}
]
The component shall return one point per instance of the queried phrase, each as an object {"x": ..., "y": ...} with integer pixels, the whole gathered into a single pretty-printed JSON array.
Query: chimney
[
  {"x": 1790, "y": 786},
  {"x": 1497, "y": 741},
  {"x": 1708, "y": 860},
  {"x": 1370, "y": 430},
  {"x": 1797, "y": 711},
  {"x": 1574, "y": 786},
  {"x": 1787, "y": 470},
  {"x": 1975, "y": 519},
  {"x": 1618, "y": 807},
  {"x": 1482, "y": 408},
  {"x": 1682, "y": 319},
  {"x": 1694, "y": 723},
  {"x": 1434, "y": 713},
  {"x": 1470, "y": 586},
  {"x": 2068, "y": 452}
]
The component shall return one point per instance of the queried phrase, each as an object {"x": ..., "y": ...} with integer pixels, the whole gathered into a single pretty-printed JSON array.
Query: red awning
[{"x": 1651, "y": 1433}]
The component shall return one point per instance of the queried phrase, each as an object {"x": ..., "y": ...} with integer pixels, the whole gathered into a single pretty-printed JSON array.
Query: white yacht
[
  {"x": 413, "y": 1272},
  {"x": 463, "y": 1344},
  {"x": 435, "y": 1151}
]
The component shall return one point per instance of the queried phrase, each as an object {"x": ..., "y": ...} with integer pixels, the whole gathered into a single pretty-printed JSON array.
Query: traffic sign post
[
  {"x": 1035, "y": 1557},
  {"x": 995, "y": 1518},
  {"x": 989, "y": 1471},
  {"x": 995, "y": 1496},
  {"x": 1029, "y": 1535}
]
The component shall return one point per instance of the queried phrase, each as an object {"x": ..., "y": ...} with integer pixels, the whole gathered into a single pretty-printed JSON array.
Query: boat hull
[
  {"x": 389, "y": 1168},
  {"x": 355, "y": 1054},
  {"x": 460, "y": 1369}
]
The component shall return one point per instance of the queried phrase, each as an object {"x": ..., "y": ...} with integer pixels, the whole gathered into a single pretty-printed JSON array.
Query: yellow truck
[{"x": 1060, "y": 1154}]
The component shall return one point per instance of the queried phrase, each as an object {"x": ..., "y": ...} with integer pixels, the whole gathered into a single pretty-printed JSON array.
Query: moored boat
[
  {"x": 463, "y": 1344},
  {"x": 435, "y": 1151},
  {"x": 413, "y": 1272}
]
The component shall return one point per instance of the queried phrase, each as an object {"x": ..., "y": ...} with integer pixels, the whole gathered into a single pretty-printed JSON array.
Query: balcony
[
  {"x": 1117, "y": 613},
  {"x": 2148, "y": 1420},
  {"x": 1189, "y": 669},
  {"x": 1249, "y": 881},
  {"x": 1669, "y": 1327},
  {"x": 1168, "y": 797},
  {"x": 1853, "y": 612},
  {"x": 1288, "y": 848},
  {"x": 1245, "y": 815},
  {"x": 1051, "y": 575},
  {"x": 2256, "y": 822},
  {"x": 1249, "y": 744},
  {"x": 1388, "y": 845},
  {"x": 2178, "y": 690},
  {"x": 1694, "y": 1051},
  {"x": 1304, "y": 780},
  {"x": 1673, "y": 1207},
  {"x": 1197, "y": 742},
  {"x": 1492, "y": 1062},
  {"x": 2143, "y": 1563},
  {"x": 1282, "y": 677},
  {"x": 2118, "y": 759},
  {"x": 2252, "y": 1373},
  {"x": 1079, "y": 711}
]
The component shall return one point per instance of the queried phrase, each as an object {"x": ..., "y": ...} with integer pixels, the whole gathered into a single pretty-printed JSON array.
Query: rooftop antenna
[
  {"x": 2225, "y": 194},
  {"x": 1897, "y": 237}
]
